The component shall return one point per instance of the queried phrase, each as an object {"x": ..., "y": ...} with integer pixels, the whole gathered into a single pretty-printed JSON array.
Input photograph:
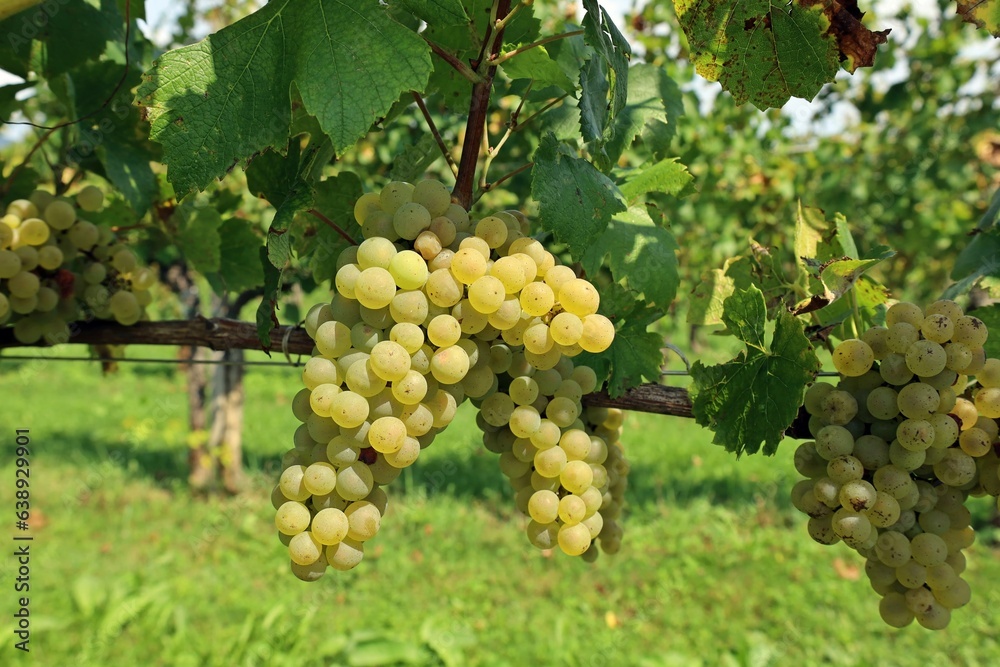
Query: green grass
[{"x": 129, "y": 568}]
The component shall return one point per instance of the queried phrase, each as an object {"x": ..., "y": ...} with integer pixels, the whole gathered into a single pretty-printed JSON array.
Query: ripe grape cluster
[
  {"x": 56, "y": 268},
  {"x": 564, "y": 462},
  {"x": 430, "y": 310},
  {"x": 902, "y": 441}
]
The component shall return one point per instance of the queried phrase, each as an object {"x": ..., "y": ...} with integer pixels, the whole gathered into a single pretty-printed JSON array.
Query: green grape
[
  {"x": 885, "y": 511},
  {"x": 28, "y": 256},
  {"x": 987, "y": 399},
  {"x": 374, "y": 288},
  {"x": 574, "y": 539},
  {"x": 390, "y": 361},
  {"x": 449, "y": 365},
  {"x": 857, "y": 495},
  {"x": 894, "y": 370},
  {"x": 850, "y": 526},
  {"x": 937, "y": 327},
  {"x": 89, "y": 199},
  {"x": 576, "y": 477},
  {"x": 4, "y": 306},
  {"x": 124, "y": 261},
  {"x": 364, "y": 520},
  {"x": 838, "y": 407},
  {"x": 22, "y": 208},
  {"x": 843, "y": 469},
  {"x": 881, "y": 403},
  {"x": 970, "y": 331},
  {"x": 33, "y": 231},
  {"x": 904, "y": 312},
  {"x": 408, "y": 270},
  {"x": 915, "y": 435},
  {"x": 444, "y": 229},
  {"x": 486, "y": 294},
  {"x": 926, "y": 358},
  {"x": 877, "y": 340},
  {"x": 901, "y": 336},
  {"x": 493, "y": 230},
  {"x": 975, "y": 442},
  {"x": 928, "y": 549},
  {"x": 346, "y": 554},
  {"x": 598, "y": 333},
  {"x": 320, "y": 478},
  {"x": 443, "y": 289},
  {"x": 577, "y": 296},
  {"x": 292, "y": 518},
  {"x": 23, "y": 285},
  {"x": 10, "y": 264},
  {"x": 375, "y": 252},
  {"x": 330, "y": 526},
  {"x": 956, "y": 594},
  {"x": 956, "y": 468},
  {"x": 892, "y": 480},
  {"x": 125, "y": 307},
  {"x": 410, "y": 219},
  {"x": 566, "y": 328},
  {"x": 894, "y": 611},
  {"x": 853, "y": 357}
]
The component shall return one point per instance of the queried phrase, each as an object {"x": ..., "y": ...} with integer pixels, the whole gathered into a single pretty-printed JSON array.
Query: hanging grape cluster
[
  {"x": 904, "y": 439},
  {"x": 430, "y": 310},
  {"x": 56, "y": 268}
]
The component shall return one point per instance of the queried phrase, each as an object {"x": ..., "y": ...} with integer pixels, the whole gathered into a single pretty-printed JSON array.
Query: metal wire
[{"x": 141, "y": 360}]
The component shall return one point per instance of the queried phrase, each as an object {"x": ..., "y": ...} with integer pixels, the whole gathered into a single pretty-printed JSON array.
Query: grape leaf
[
  {"x": 72, "y": 31},
  {"x": 652, "y": 98},
  {"x": 266, "y": 318},
  {"x": 239, "y": 268},
  {"x": 593, "y": 106},
  {"x": 198, "y": 235},
  {"x": 641, "y": 255},
  {"x": 437, "y": 12},
  {"x": 767, "y": 51},
  {"x": 705, "y": 305},
  {"x": 335, "y": 199},
  {"x": 990, "y": 315},
  {"x": 981, "y": 13},
  {"x": 216, "y": 103},
  {"x": 576, "y": 201},
  {"x": 601, "y": 33},
  {"x": 414, "y": 160},
  {"x": 667, "y": 176},
  {"x": 536, "y": 64},
  {"x": 279, "y": 242},
  {"x": 752, "y": 399}
]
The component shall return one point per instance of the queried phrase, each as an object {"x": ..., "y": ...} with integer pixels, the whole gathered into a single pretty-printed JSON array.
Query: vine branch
[
  {"x": 479, "y": 106},
  {"x": 455, "y": 63},
  {"x": 220, "y": 334},
  {"x": 434, "y": 131}
]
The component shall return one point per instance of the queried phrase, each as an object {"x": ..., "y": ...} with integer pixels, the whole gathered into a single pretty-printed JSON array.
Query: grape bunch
[
  {"x": 430, "y": 310},
  {"x": 907, "y": 435},
  {"x": 564, "y": 462},
  {"x": 56, "y": 268}
]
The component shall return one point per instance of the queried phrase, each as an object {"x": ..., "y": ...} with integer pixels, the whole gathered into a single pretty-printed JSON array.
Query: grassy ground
[{"x": 128, "y": 568}]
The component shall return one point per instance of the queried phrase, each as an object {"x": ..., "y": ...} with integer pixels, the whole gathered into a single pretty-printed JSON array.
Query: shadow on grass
[{"x": 471, "y": 473}]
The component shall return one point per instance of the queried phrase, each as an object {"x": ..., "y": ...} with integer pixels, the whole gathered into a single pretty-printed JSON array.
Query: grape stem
[
  {"x": 479, "y": 105},
  {"x": 492, "y": 151},
  {"x": 455, "y": 63},
  {"x": 499, "y": 60},
  {"x": 434, "y": 131},
  {"x": 489, "y": 186},
  {"x": 333, "y": 226}
]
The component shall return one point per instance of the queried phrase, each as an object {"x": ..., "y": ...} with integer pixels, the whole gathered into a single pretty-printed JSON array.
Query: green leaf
[
  {"x": 990, "y": 315},
  {"x": 764, "y": 51},
  {"x": 752, "y": 399},
  {"x": 8, "y": 101},
  {"x": 272, "y": 175},
  {"x": 705, "y": 305},
  {"x": 77, "y": 31},
  {"x": 239, "y": 267},
  {"x": 980, "y": 256},
  {"x": 437, "y": 12},
  {"x": 198, "y": 236},
  {"x": 652, "y": 96},
  {"x": 641, "y": 255},
  {"x": 593, "y": 107},
  {"x": 536, "y": 64},
  {"x": 279, "y": 242},
  {"x": 601, "y": 33},
  {"x": 266, "y": 319},
  {"x": 216, "y": 103},
  {"x": 126, "y": 164},
  {"x": 667, "y": 176},
  {"x": 335, "y": 198},
  {"x": 414, "y": 161},
  {"x": 576, "y": 201},
  {"x": 982, "y": 13}
]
